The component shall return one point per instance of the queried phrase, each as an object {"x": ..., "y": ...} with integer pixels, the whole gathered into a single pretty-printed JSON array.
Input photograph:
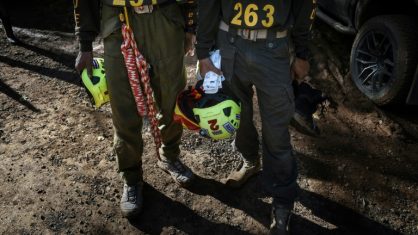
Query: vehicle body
[{"x": 384, "y": 56}]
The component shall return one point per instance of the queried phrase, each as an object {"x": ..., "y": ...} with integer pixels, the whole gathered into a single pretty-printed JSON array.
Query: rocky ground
[{"x": 58, "y": 173}]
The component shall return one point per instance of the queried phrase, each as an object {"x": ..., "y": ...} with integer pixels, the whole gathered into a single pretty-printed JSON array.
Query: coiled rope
[{"x": 138, "y": 74}]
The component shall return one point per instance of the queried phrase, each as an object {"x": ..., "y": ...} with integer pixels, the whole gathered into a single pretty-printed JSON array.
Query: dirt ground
[{"x": 58, "y": 173}]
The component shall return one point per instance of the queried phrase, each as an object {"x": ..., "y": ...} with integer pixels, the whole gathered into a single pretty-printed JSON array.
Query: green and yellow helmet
[
  {"x": 96, "y": 86},
  {"x": 217, "y": 115}
]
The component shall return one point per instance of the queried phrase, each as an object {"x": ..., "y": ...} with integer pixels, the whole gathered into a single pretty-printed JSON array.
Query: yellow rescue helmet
[{"x": 96, "y": 86}]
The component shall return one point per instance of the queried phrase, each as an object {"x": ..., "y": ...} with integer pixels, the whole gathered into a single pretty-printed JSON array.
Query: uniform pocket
[
  {"x": 168, "y": 79},
  {"x": 278, "y": 47},
  {"x": 110, "y": 22},
  {"x": 112, "y": 45}
]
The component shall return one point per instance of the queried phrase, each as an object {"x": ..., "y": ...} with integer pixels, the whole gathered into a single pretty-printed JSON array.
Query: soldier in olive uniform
[
  {"x": 253, "y": 38},
  {"x": 160, "y": 28}
]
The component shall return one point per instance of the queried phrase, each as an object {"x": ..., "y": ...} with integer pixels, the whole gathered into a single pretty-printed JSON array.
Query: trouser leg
[
  {"x": 265, "y": 64},
  {"x": 279, "y": 165},
  {"x": 128, "y": 144},
  {"x": 276, "y": 102},
  {"x": 246, "y": 139},
  {"x": 239, "y": 84},
  {"x": 161, "y": 39},
  {"x": 152, "y": 32}
]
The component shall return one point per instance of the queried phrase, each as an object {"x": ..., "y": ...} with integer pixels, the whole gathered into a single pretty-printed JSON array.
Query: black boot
[{"x": 280, "y": 219}]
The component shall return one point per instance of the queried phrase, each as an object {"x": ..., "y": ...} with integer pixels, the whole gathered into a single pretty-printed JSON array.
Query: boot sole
[{"x": 129, "y": 215}]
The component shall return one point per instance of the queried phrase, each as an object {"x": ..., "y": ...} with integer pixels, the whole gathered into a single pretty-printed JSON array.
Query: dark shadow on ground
[
  {"x": 346, "y": 220},
  {"x": 32, "y": 14},
  {"x": 58, "y": 56},
  {"x": 161, "y": 211},
  {"x": 66, "y": 76},
  {"x": 7, "y": 90},
  {"x": 334, "y": 151},
  {"x": 409, "y": 113},
  {"x": 300, "y": 226},
  {"x": 247, "y": 198},
  {"x": 406, "y": 116}
]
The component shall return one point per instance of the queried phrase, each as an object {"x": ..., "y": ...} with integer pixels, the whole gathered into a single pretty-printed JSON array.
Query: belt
[
  {"x": 252, "y": 34},
  {"x": 144, "y": 9},
  {"x": 151, "y": 8}
]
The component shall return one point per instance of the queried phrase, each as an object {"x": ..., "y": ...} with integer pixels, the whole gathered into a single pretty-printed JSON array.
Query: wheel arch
[{"x": 367, "y": 9}]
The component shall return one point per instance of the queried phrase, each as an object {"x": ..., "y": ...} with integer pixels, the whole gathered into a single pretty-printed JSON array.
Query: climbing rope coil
[{"x": 139, "y": 79}]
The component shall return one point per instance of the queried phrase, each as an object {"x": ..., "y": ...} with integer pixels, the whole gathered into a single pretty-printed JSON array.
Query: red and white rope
[{"x": 137, "y": 65}]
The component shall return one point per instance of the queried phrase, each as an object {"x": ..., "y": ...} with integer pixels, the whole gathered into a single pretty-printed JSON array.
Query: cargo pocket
[
  {"x": 110, "y": 22},
  {"x": 279, "y": 47},
  {"x": 112, "y": 44},
  {"x": 227, "y": 62},
  {"x": 168, "y": 79}
]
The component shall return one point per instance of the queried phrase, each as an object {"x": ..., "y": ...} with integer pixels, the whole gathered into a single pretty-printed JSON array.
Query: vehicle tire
[{"x": 384, "y": 57}]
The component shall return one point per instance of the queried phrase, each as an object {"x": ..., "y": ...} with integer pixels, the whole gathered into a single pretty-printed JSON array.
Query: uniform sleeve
[
  {"x": 304, "y": 15},
  {"x": 189, "y": 9},
  {"x": 87, "y": 22},
  {"x": 209, "y": 15}
]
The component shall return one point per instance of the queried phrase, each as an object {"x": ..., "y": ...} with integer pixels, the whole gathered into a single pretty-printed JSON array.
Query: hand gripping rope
[{"x": 136, "y": 65}]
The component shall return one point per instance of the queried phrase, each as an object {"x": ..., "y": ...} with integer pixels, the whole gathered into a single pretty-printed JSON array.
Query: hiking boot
[
  {"x": 237, "y": 178},
  {"x": 181, "y": 174},
  {"x": 280, "y": 218},
  {"x": 306, "y": 103},
  {"x": 131, "y": 202}
]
